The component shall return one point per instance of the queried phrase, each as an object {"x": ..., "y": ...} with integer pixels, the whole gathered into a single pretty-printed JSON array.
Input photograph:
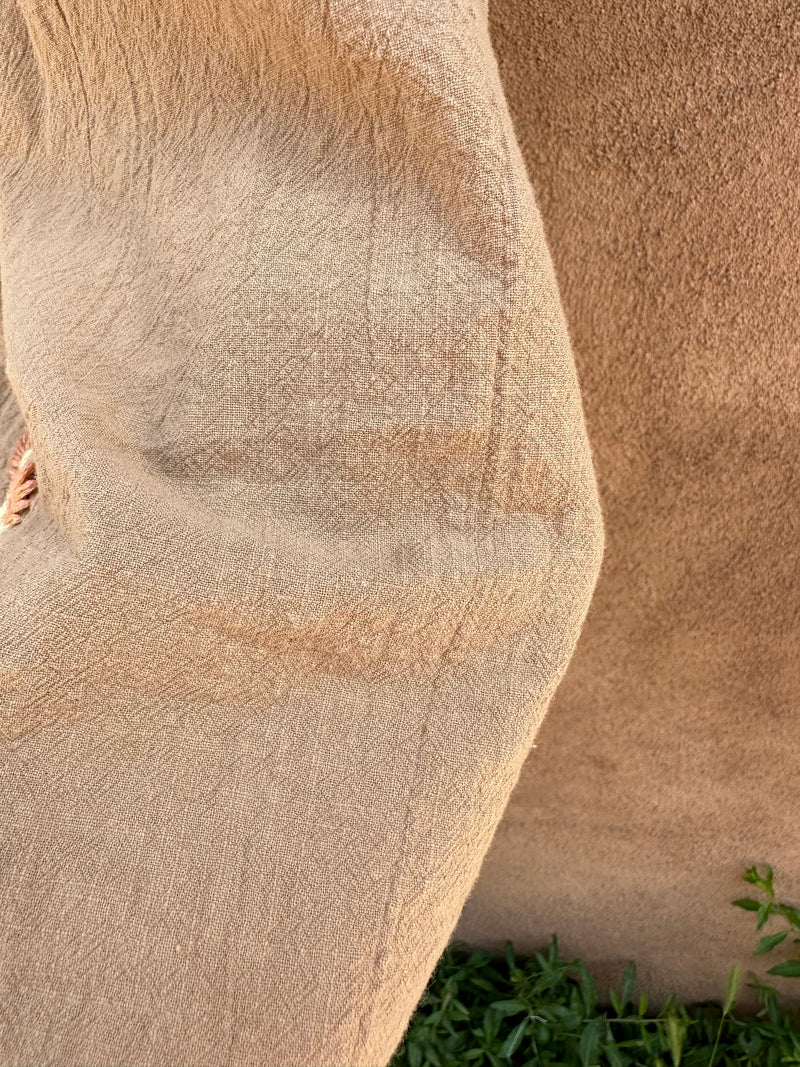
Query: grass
[{"x": 543, "y": 1011}]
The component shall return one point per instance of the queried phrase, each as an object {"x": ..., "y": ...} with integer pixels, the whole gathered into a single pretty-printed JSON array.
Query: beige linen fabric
[
  {"x": 663, "y": 141},
  {"x": 316, "y": 527}
]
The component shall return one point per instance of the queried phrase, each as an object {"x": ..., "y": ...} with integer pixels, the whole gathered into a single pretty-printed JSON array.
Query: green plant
[
  {"x": 544, "y": 1011},
  {"x": 767, "y": 908}
]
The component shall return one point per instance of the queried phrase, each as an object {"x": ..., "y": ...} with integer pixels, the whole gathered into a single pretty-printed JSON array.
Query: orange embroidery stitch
[{"x": 22, "y": 484}]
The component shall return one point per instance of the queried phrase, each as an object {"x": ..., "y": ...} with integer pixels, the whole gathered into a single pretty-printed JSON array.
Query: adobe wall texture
[{"x": 663, "y": 142}]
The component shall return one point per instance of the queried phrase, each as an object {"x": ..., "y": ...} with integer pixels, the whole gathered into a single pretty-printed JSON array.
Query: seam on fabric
[{"x": 509, "y": 262}]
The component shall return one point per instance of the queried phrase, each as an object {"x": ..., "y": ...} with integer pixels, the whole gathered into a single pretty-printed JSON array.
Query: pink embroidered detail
[{"x": 21, "y": 486}]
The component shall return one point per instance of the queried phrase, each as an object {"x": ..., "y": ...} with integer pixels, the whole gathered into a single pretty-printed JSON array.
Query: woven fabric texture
[{"x": 316, "y": 524}]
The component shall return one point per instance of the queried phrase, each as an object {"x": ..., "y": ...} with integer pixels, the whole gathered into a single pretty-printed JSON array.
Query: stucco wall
[{"x": 663, "y": 141}]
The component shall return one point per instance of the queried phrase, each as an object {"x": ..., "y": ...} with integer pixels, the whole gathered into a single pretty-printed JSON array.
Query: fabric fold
[{"x": 316, "y": 525}]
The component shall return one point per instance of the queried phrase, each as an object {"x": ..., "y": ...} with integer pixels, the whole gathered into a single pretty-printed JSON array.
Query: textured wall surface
[{"x": 663, "y": 142}]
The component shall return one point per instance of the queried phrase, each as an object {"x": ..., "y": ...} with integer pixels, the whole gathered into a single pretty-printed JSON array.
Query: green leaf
[
  {"x": 508, "y": 1007},
  {"x": 676, "y": 1034},
  {"x": 589, "y": 1043},
  {"x": 751, "y": 875},
  {"x": 628, "y": 983},
  {"x": 588, "y": 990},
  {"x": 747, "y": 903},
  {"x": 482, "y": 983},
  {"x": 790, "y": 969},
  {"x": 512, "y": 1042},
  {"x": 613, "y": 1055},
  {"x": 414, "y": 1055},
  {"x": 734, "y": 981},
  {"x": 510, "y": 957},
  {"x": 764, "y": 913},
  {"x": 458, "y": 1010},
  {"x": 768, "y": 943},
  {"x": 491, "y": 1025},
  {"x": 790, "y": 913},
  {"x": 750, "y": 1043}
]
